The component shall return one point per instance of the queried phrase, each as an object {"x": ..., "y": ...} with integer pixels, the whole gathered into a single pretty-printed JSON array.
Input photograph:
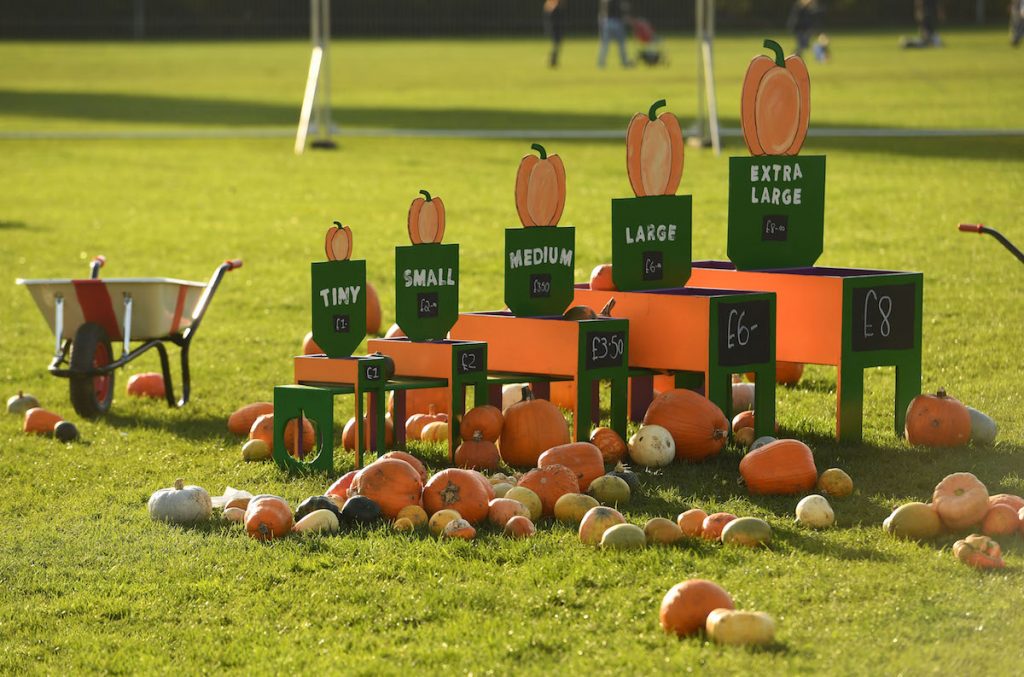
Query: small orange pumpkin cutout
[
  {"x": 776, "y": 103},
  {"x": 540, "y": 188},
  {"x": 654, "y": 152},
  {"x": 426, "y": 219},
  {"x": 338, "y": 243}
]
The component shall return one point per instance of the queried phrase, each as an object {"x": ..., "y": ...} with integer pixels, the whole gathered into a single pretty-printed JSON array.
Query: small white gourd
[
  {"x": 181, "y": 504},
  {"x": 814, "y": 511}
]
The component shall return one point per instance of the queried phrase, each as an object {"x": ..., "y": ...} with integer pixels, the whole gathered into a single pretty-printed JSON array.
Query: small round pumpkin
[
  {"x": 937, "y": 421},
  {"x": 435, "y": 432},
  {"x": 610, "y": 490},
  {"x": 623, "y": 537},
  {"x": 747, "y": 531},
  {"x": 519, "y": 527},
  {"x": 529, "y": 498},
  {"x": 571, "y": 508},
  {"x": 611, "y": 444},
  {"x": 65, "y": 431},
  {"x": 740, "y": 628},
  {"x": 20, "y": 403},
  {"x": 147, "y": 384},
  {"x": 1001, "y": 520},
  {"x": 713, "y": 525},
  {"x": 744, "y": 437},
  {"x": 814, "y": 511},
  {"x": 256, "y": 450},
  {"x": 360, "y": 511},
  {"x": 268, "y": 517},
  {"x": 686, "y": 606},
  {"x": 698, "y": 427},
  {"x": 414, "y": 424},
  {"x": 486, "y": 420},
  {"x": 596, "y": 521},
  {"x": 459, "y": 528},
  {"x": 744, "y": 419},
  {"x": 240, "y": 422},
  {"x": 426, "y": 219},
  {"x": 457, "y": 489},
  {"x": 416, "y": 463},
  {"x": 416, "y": 515},
  {"x": 661, "y": 531},
  {"x": 583, "y": 458},
  {"x": 233, "y": 514},
  {"x": 403, "y": 525},
  {"x": 440, "y": 519},
  {"x": 478, "y": 454},
  {"x": 780, "y": 467},
  {"x": 390, "y": 483},
  {"x": 691, "y": 522},
  {"x": 540, "y": 188},
  {"x": 40, "y": 421},
  {"x": 180, "y": 504},
  {"x": 501, "y": 510},
  {"x": 961, "y": 500},
  {"x": 601, "y": 278},
  {"x": 915, "y": 521},
  {"x": 652, "y": 446},
  {"x": 835, "y": 483},
  {"x": 348, "y": 434},
  {"x": 531, "y": 427},
  {"x": 654, "y": 152},
  {"x": 550, "y": 483}
]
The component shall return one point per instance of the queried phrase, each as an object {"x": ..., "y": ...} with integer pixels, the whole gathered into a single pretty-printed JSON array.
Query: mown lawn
[{"x": 89, "y": 583}]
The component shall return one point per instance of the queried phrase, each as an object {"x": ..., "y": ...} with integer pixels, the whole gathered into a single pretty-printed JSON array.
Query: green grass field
[{"x": 89, "y": 583}]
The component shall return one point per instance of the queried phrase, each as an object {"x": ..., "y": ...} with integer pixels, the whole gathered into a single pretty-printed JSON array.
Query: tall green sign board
[
  {"x": 539, "y": 269},
  {"x": 339, "y": 305},
  {"x": 651, "y": 239},
  {"x": 427, "y": 290}
]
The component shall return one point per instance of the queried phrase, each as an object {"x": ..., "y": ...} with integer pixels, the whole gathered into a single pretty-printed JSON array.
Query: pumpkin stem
[
  {"x": 941, "y": 393},
  {"x": 655, "y": 106},
  {"x": 540, "y": 149},
  {"x": 607, "y": 310},
  {"x": 780, "y": 57},
  {"x": 179, "y": 484},
  {"x": 426, "y": 195},
  {"x": 338, "y": 224},
  {"x": 478, "y": 436}
]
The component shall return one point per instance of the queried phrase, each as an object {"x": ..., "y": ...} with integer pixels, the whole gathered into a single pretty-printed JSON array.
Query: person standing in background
[
  {"x": 805, "y": 22},
  {"x": 1016, "y": 22},
  {"x": 927, "y": 14},
  {"x": 554, "y": 26},
  {"x": 612, "y": 18}
]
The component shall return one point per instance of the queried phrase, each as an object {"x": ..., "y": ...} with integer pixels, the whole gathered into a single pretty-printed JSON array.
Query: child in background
[{"x": 804, "y": 22}]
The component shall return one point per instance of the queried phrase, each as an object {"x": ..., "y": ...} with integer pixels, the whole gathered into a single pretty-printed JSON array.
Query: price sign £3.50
[
  {"x": 883, "y": 317},
  {"x": 605, "y": 349}
]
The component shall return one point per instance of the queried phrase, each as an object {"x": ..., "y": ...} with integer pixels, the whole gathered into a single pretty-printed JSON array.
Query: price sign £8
[
  {"x": 606, "y": 349},
  {"x": 744, "y": 332},
  {"x": 883, "y": 317}
]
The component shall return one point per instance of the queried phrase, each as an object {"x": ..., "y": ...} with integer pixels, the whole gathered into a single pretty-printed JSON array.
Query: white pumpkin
[
  {"x": 652, "y": 446},
  {"x": 727, "y": 626},
  {"x": 814, "y": 511},
  {"x": 181, "y": 504},
  {"x": 983, "y": 428},
  {"x": 511, "y": 393}
]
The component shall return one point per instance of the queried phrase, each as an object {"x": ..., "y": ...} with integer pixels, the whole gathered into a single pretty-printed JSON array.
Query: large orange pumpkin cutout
[
  {"x": 540, "y": 188},
  {"x": 654, "y": 152},
  {"x": 338, "y": 243},
  {"x": 776, "y": 103},
  {"x": 426, "y": 219}
]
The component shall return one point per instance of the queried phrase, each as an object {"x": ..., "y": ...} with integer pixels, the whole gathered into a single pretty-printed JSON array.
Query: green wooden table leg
[
  {"x": 719, "y": 390},
  {"x": 584, "y": 409},
  {"x": 620, "y": 405},
  {"x": 850, "y": 402},
  {"x": 360, "y": 432},
  {"x": 908, "y": 386},
  {"x": 317, "y": 405},
  {"x": 764, "y": 401}
]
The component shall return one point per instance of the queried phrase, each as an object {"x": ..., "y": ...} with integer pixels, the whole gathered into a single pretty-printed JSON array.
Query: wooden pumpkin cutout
[
  {"x": 540, "y": 188},
  {"x": 426, "y": 219},
  {"x": 338, "y": 243},
  {"x": 654, "y": 152},
  {"x": 776, "y": 103}
]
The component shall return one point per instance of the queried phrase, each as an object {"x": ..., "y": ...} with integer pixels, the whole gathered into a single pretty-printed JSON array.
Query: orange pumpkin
[
  {"x": 420, "y": 400},
  {"x": 938, "y": 421},
  {"x": 775, "y": 107},
  {"x": 240, "y": 422},
  {"x": 1001, "y": 520},
  {"x": 267, "y": 517},
  {"x": 786, "y": 373},
  {"x": 583, "y": 458},
  {"x": 711, "y": 527},
  {"x": 341, "y": 485},
  {"x": 501, "y": 510},
  {"x": 426, "y": 219},
  {"x": 414, "y": 424},
  {"x": 611, "y": 444},
  {"x": 41, "y": 421},
  {"x": 531, "y": 427},
  {"x": 416, "y": 463},
  {"x": 691, "y": 522},
  {"x": 601, "y": 278},
  {"x": 459, "y": 528},
  {"x": 338, "y": 243},
  {"x": 744, "y": 419},
  {"x": 780, "y": 467},
  {"x": 478, "y": 454},
  {"x": 391, "y": 483},
  {"x": 654, "y": 152},
  {"x": 562, "y": 394},
  {"x": 348, "y": 433},
  {"x": 519, "y": 527},
  {"x": 263, "y": 429},
  {"x": 459, "y": 490},
  {"x": 1015, "y": 502},
  {"x": 697, "y": 425},
  {"x": 540, "y": 188},
  {"x": 550, "y": 483},
  {"x": 485, "y": 419},
  {"x": 686, "y": 606},
  {"x": 961, "y": 500},
  {"x": 435, "y": 432},
  {"x": 374, "y": 313},
  {"x": 148, "y": 384}
]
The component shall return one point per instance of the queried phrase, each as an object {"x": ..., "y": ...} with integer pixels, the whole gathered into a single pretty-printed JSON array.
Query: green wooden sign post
[
  {"x": 427, "y": 290},
  {"x": 539, "y": 269},
  {"x": 339, "y": 305},
  {"x": 651, "y": 241},
  {"x": 603, "y": 355},
  {"x": 776, "y": 211}
]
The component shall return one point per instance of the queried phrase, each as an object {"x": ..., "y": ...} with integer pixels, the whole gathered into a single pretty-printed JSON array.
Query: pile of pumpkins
[
  {"x": 940, "y": 420},
  {"x": 40, "y": 421},
  {"x": 961, "y": 503}
]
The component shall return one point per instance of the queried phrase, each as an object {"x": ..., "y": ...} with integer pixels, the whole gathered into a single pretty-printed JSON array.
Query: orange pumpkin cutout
[
  {"x": 540, "y": 188},
  {"x": 654, "y": 152},
  {"x": 426, "y": 219},
  {"x": 338, "y": 243},
  {"x": 776, "y": 103}
]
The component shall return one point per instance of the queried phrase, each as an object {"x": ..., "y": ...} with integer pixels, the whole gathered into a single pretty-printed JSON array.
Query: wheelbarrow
[
  {"x": 87, "y": 315},
  {"x": 985, "y": 230}
]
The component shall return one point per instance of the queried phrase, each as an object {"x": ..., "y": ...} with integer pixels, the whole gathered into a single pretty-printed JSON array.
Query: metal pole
[
  {"x": 696, "y": 135},
  {"x": 325, "y": 71}
]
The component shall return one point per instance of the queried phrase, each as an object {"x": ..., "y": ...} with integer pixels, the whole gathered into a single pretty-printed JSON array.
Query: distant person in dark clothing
[
  {"x": 927, "y": 14},
  {"x": 1016, "y": 22},
  {"x": 554, "y": 26},
  {"x": 612, "y": 18},
  {"x": 805, "y": 22}
]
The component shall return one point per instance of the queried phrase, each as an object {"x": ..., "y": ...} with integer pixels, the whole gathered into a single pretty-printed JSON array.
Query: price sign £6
[
  {"x": 744, "y": 332},
  {"x": 883, "y": 318},
  {"x": 606, "y": 349}
]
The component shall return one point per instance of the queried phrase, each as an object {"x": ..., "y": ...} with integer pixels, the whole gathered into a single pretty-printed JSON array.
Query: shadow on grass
[
  {"x": 195, "y": 428},
  {"x": 13, "y": 225}
]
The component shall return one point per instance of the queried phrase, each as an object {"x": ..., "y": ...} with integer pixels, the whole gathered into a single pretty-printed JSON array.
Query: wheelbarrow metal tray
[{"x": 160, "y": 306}]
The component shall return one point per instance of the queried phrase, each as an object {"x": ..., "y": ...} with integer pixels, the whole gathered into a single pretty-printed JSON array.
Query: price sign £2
[
  {"x": 606, "y": 349},
  {"x": 883, "y": 317},
  {"x": 471, "y": 360},
  {"x": 744, "y": 332}
]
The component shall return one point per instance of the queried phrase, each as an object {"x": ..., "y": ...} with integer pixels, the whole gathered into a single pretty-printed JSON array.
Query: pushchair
[{"x": 651, "y": 52}]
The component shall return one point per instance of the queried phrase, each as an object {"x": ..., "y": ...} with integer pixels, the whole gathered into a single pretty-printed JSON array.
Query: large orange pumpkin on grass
[
  {"x": 338, "y": 242},
  {"x": 485, "y": 419},
  {"x": 391, "y": 483},
  {"x": 780, "y": 467},
  {"x": 531, "y": 427},
  {"x": 775, "y": 107},
  {"x": 583, "y": 458},
  {"x": 459, "y": 490},
  {"x": 686, "y": 606},
  {"x": 416, "y": 463},
  {"x": 697, "y": 425},
  {"x": 540, "y": 188},
  {"x": 263, "y": 429},
  {"x": 654, "y": 152},
  {"x": 938, "y": 421},
  {"x": 478, "y": 454},
  {"x": 961, "y": 500},
  {"x": 240, "y": 422},
  {"x": 267, "y": 517},
  {"x": 426, "y": 219},
  {"x": 550, "y": 484}
]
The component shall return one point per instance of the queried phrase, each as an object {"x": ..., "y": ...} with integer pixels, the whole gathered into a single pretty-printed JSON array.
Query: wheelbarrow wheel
[{"x": 91, "y": 394}]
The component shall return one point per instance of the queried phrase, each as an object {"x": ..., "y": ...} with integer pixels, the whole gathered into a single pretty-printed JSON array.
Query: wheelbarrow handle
[
  {"x": 982, "y": 228},
  {"x": 233, "y": 263},
  {"x": 95, "y": 265},
  {"x": 972, "y": 227}
]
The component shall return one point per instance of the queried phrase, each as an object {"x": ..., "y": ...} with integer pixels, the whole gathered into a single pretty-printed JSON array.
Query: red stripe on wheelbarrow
[
  {"x": 179, "y": 308},
  {"x": 94, "y": 299}
]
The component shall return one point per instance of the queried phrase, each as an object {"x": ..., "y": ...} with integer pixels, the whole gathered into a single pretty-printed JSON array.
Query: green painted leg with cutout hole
[{"x": 315, "y": 404}]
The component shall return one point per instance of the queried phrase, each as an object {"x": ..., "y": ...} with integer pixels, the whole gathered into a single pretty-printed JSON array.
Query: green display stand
[
  {"x": 651, "y": 241},
  {"x": 427, "y": 290},
  {"x": 539, "y": 269},
  {"x": 338, "y": 305}
]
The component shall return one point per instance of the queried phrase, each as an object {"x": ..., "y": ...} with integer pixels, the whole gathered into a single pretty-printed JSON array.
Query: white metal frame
[
  {"x": 705, "y": 130},
  {"x": 315, "y": 115}
]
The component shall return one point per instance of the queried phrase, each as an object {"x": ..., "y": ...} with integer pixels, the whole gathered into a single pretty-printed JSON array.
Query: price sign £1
[
  {"x": 883, "y": 317},
  {"x": 605, "y": 349},
  {"x": 744, "y": 332}
]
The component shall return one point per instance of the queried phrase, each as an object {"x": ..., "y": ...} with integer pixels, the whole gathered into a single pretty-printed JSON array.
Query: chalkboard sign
[
  {"x": 776, "y": 211},
  {"x": 605, "y": 349},
  {"x": 651, "y": 241},
  {"x": 539, "y": 267},
  {"x": 744, "y": 332},
  {"x": 426, "y": 290},
  {"x": 471, "y": 360},
  {"x": 338, "y": 305},
  {"x": 883, "y": 317},
  {"x": 373, "y": 371}
]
